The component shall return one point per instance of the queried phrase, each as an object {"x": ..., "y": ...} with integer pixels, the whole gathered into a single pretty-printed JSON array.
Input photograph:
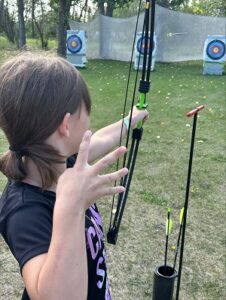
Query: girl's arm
[
  {"x": 106, "y": 139},
  {"x": 62, "y": 272}
]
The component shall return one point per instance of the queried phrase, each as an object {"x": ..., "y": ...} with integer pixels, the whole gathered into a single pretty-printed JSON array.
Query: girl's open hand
[{"x": 80, "y": 186}]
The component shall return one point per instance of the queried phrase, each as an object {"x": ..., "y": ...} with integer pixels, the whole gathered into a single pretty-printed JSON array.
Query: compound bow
[{"x": 144, "y": 87}]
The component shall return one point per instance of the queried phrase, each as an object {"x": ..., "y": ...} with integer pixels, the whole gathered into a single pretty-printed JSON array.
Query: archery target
[
  {"x": 76, "y": 48},
  {"x": 214, "y": 49},
  {"x": 139, "y": 51},
  {"x": 141, "y": 45},
  {"x": 74, "y": 43}
]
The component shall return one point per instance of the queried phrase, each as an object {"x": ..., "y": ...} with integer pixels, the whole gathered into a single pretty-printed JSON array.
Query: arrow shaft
[{"x": 186, "y": 204}]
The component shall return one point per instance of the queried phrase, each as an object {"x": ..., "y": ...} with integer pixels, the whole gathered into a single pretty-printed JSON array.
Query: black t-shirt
[{"x": 26, "y": 225}]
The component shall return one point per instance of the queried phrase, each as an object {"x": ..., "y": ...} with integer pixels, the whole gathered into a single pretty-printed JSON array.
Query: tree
[
  {"x": 84, "y": 10},
  {"x": 200, "y": 7},
  {"x": 21, "y": 31},
  {"x": 64, "y": 10},
  {"x": 110, "y": 6},
  {"x": 171, "y": 4},
  {"x": 33, "y": 2},
  {"x": 215, "y": 8},
  {"x": 7, "y": 22},
  {"x": 128, "y": 10},
  {"x": 40, "y": 24},
  {"x": 62, "y": 7}
]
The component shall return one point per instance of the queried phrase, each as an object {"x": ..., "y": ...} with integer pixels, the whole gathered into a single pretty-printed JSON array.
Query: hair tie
[{"x": 19, "y": 152}]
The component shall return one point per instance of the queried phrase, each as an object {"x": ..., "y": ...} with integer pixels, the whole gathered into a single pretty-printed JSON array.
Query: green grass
[
  {"x": 31, "y": 44},
  {"x": 5, "y": 44},
  {"x": 160, "y": 178}
]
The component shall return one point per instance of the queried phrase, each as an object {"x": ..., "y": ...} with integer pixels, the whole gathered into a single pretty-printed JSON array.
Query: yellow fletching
[
  {"x": 169, "y": 226},
  {"x": 181, "y": 215}
]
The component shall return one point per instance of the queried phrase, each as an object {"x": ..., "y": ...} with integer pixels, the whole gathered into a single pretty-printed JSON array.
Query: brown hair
[{"x": 35, "y": 94}]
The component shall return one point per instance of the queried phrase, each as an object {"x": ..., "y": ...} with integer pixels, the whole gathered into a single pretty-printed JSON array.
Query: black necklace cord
[{"x": 137, "y": 132}]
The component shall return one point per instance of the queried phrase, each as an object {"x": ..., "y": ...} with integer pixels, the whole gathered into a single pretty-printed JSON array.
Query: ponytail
[
  {"x": 12, "y": 166},
  {"x": 13, "y": 163}
]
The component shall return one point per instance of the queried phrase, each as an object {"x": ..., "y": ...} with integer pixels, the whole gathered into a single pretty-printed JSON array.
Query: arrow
[
  {"x": 179, "y": 236},
  {"x": 169, "y": 224}
]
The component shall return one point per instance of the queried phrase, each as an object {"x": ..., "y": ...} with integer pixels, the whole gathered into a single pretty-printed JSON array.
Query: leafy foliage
[
  {"x": 215, "y": 8},
  {"x": 172, "y": 4},
  {"x": 7, "y": 22},
  {"x": 111, "y": 5}
]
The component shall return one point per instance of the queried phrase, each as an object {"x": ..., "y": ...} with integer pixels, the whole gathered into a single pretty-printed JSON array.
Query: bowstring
[{"x": 125, "y": 105}]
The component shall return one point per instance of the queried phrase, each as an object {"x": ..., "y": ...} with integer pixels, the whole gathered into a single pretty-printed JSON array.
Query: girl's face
[{"x": 79, "y": 122}]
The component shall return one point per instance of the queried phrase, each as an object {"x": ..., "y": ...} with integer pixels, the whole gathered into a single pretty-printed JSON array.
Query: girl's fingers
[
  {"x": 108, "y": 178},
  {"x": 146, "y": 118},
  {"x": 83, "y": 152},
  {"x": 112, "y": 190},
  {"x": 109, "y": 159}
]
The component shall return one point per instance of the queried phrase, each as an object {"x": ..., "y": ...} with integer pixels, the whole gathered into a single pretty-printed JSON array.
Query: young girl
[{"x": 48, "y": 215}]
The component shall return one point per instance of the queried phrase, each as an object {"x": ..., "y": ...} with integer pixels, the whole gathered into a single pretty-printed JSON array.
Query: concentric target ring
[
  {"x": 141, "y": 45},
  {"x": 74, "y": 43},
  {"x": 215, "y": 49}
]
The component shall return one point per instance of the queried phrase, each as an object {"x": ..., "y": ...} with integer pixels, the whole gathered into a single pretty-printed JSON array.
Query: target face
[
  {"x": 215, "y": 50},
  {"x": 141, "y": 45},
  {"x": 74, "y": 43}
]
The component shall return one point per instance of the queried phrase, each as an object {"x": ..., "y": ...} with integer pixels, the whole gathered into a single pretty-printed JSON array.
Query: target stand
[
  {"x": 139, "y": 51},
  {"x": 214, "y": 55},
  {"x": 76, "y": 48}
]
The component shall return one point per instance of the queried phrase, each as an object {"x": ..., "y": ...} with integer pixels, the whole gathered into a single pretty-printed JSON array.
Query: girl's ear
[{"x": 64, "y": 126}]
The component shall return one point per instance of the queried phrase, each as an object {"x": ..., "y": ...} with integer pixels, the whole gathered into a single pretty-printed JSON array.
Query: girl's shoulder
[
  {"x": 18, "y": 195},
  {"x": 26, "y": 220}
]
